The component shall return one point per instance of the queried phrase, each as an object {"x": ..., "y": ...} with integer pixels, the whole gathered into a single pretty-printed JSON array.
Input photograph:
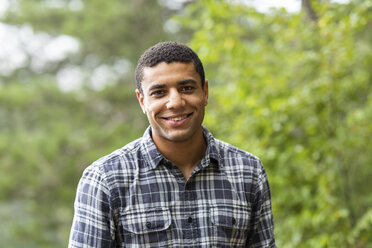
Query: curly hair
[{"x": 169, "y": 51}]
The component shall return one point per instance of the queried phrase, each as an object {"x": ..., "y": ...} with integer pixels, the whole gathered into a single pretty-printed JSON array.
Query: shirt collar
[
  {"x": 153, "y": 157},
  {"x": 212, "y": 149},
  {"x": 149, "y": 151}
]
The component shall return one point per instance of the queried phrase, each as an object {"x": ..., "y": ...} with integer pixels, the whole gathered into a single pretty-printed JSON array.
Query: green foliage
[
  {"x": 109, "y": 29},
  {"x": 293, "y": 91},
  {"x": 47, "y": 139},
  {"x": 297, "y": 94}
]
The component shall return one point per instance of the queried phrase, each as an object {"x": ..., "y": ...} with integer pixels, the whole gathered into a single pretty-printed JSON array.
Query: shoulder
[
  {"x": 232, "y": 155},
  {"x": 232, "y": 159},
  {"x": 238, "y": 163},
  {"x": 242, "y": 168},
  {"x": 112, "y": 165}
]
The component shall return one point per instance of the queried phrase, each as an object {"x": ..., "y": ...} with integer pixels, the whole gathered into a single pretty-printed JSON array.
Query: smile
[{"x": 178, "y": 118}]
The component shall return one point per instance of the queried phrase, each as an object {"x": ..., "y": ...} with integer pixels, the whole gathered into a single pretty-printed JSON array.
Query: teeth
[{"x": 178, "y": 118}]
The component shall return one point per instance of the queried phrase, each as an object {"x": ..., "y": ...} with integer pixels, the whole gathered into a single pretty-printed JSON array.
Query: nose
[{"x": 175, "y": 100}]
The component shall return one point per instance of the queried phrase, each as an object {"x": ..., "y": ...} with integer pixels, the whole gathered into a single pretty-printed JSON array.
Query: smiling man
[{"x": 177, "y": 186}]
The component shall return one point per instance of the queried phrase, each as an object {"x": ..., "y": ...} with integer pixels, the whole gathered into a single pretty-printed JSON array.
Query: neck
[{"x": 186, "y": 155}]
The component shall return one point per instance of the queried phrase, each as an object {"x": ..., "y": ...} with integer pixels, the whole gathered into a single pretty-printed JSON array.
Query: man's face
[{"x": 173, "y": 100}]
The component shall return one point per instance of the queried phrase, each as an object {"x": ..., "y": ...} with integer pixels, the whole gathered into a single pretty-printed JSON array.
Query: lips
[{"x": 178, "y": 117}]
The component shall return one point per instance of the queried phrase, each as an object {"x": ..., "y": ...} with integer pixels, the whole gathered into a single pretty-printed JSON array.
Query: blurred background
[{"x": 290, "y": 82}]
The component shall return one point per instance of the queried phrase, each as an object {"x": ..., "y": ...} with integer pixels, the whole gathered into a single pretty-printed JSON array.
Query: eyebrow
[
  {"x": 187, "y": 81},
  {"x": 162, "y": 86},
  {"x": 157, "y": 86}
]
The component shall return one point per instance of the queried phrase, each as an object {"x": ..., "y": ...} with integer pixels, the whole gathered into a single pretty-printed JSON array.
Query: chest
[{"x": 161, "y": 205}]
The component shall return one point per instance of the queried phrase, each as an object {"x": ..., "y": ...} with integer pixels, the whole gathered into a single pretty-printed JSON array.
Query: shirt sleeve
[
  {"x": 92, "y": 224},
  {"x": 263, "y": 232}
]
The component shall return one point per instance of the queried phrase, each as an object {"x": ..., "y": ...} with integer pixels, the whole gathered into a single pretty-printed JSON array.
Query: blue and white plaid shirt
[{"x": 135, "y": 197}]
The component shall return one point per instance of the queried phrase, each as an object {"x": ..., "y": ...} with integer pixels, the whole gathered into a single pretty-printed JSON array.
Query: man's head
[
  {"x": 168, "y": 52},
  {"x": 172, "y": 92}
]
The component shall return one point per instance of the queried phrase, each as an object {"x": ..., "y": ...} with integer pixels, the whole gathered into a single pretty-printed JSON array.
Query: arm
[
  {"x": 92, "y": 224},
  {"x": 263, "y": 227}
]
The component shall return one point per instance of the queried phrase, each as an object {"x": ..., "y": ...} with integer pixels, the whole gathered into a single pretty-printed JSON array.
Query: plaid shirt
[{"x": 135, "y": 197}]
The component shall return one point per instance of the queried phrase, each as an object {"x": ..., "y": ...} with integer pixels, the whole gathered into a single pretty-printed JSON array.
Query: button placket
[{"x": 191, "y": 230}]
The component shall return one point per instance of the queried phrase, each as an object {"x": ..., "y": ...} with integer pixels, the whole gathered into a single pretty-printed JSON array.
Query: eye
[
  {"x": 187, "y": 88},
  {"x": 157, "y": 93}
]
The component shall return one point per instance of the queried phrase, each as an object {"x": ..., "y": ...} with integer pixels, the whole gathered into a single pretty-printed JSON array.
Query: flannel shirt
[{"x": 135, "y": 197}]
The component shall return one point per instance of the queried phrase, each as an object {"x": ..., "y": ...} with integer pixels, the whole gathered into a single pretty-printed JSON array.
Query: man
[{"x": 177, "y": 186}]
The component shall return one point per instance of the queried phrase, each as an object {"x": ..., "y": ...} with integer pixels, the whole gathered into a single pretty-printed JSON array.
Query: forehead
[{"x": 169, "y": 73}]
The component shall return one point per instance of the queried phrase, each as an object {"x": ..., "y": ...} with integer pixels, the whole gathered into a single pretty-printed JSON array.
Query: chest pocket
[
  {"x": 150, "y": 226},
  {"x": 230, "y": 224}
]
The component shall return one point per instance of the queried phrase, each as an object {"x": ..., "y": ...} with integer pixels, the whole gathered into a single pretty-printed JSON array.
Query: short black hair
[{"x": 169, "y": 51}]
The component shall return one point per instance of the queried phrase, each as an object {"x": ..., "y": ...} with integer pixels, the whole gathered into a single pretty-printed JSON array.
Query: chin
[{"x": 178, "y": 136}]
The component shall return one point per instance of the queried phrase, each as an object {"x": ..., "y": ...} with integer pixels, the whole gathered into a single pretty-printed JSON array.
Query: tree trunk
[{"x": 308, "y": 8}]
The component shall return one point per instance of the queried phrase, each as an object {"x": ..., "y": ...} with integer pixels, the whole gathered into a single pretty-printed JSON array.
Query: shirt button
[
  {"x": 189, "y": 220},
  {"x": 233, "y": 221},
  {"x": 148, "y": 224}
]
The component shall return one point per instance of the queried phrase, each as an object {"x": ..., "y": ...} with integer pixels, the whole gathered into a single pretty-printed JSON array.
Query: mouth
[{"x": 177, "y": 118}]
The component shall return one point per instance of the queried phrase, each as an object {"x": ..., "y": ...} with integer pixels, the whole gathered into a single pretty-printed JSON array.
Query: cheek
[
  {"x": 153, "y": 108},
  {"x": 201, "y": 102}
]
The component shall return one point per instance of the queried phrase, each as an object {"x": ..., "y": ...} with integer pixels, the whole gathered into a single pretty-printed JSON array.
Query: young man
[{"x": 177, "y": 186}]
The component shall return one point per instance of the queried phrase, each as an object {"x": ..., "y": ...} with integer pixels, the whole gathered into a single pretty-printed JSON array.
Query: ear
[
  {"x": 140, "y": 100},
  {"x": 206, "y": 93}
]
